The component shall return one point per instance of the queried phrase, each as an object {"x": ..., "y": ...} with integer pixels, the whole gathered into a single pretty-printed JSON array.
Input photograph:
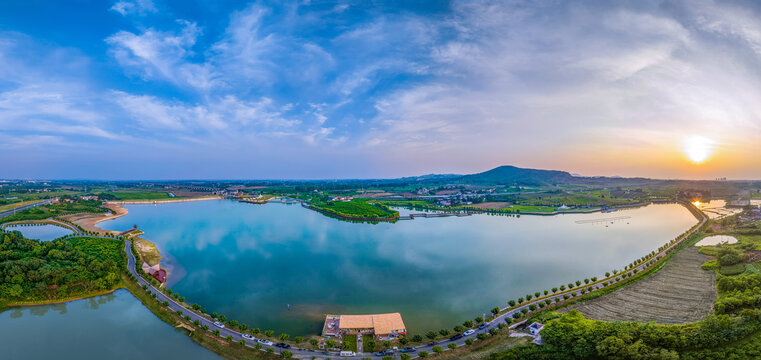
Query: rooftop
[{"x": 380, "y": 323}]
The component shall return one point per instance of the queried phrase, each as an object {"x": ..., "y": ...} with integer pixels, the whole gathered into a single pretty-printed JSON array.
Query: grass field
[
  {"x": 350, "y": 343},
  {"x": 366, "y": 340},
  {"x": 360, "y": 209},
  {"x": 679, "y": 293}
]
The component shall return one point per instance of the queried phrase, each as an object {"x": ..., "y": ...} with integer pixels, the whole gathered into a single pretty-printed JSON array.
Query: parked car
[
  {"x": 263, "y": 341},
  {"x": 408, "y": 349},
  {"x": 469, "y": 332},
  {"x": 380, "y": 353},
  {"x": 219, "y": 324},
  {"x": 482, "y": 326},
  {"x": 283, "y": 345},
  {"x": 248, "y": 337},
  {"x": 344, "y": 353},
  {"x": 431, "y": 343},
  {"x": 455, "y": 337}
]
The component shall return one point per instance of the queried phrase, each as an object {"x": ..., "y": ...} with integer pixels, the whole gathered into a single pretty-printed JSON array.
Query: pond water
[
  {"x": 44, "y": 232},
  {"x": 250, "y": 262},
  {"x": 114, "y": 326},
  {"x": 716, "y": 240}
]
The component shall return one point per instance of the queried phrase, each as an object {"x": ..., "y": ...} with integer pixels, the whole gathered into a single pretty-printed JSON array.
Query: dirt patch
[
  {"x": 88, "y": 221},
  {"x": 495, "y": 205},
  {"x": 681, "y": 292},
  {"x": 147, "y": 250}
]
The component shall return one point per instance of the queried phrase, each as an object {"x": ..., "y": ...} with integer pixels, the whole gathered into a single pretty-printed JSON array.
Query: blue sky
[{"x": 218, "y": 89}]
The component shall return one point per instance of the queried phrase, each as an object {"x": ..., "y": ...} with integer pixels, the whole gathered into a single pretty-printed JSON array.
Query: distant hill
[{"x": 514, "y": 175}]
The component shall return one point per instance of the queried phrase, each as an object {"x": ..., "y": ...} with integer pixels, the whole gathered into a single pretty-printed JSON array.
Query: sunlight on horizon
[{"x": 698, "y": 148}]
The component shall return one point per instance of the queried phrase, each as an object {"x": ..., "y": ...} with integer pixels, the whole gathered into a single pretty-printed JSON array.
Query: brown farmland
[{"x": 679, "y": 293}]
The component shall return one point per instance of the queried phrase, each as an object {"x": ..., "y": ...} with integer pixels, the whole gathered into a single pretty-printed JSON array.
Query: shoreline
[
  {"x": 88, "y": 221},
  {"x": 166, "y": 201},
  {"x": 60, "y": 301}
]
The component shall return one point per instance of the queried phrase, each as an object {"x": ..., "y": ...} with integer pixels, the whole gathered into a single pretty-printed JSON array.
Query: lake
[
  {"x": 44, "y": 232},
  {"x": 113, "y": 326},
  {"x": 250, "y": 262}
]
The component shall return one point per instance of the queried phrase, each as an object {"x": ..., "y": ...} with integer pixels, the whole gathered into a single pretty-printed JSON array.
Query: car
[
  {"x": 482, "y": 326},
  {"x": 431, "y": 343},
  {"x": 380, "y": 353},
  {"x": 469, "y": 332},
  {"x": 388, "y": 352},
  {"x": 455, "y": 337},
  {"x": 219, "y": 324},
  {"x": 408, "y": 349},
  {"x": 283, "y": 345},
  {"x": 248, "y": 337},
  {"x": 263, "y": 341}
]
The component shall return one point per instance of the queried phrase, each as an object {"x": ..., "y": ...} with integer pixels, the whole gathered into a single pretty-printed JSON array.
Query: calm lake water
[
  {"x": 114, "y": 326},
  {"x": 250, "y": 261},
  {"x": 44, "y": 232}
]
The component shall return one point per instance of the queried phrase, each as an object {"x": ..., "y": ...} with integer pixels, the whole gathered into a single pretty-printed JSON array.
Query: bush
[
  {"x": 285, "y": 354},
  {"x": 452, "y": 345},
  {"x": 422, "y": 354},
  {"x": 438, "y": 349},
  {"x": 469, "y": 341},
  {"x": 511, "y": 303},
  {"x": 493, "y": 331},
  {"x": 481, "y": 336}
]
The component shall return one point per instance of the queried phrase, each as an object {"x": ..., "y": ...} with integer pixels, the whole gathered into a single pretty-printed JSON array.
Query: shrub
[
  {"x": 479, "y": 319},
  {"x": 528, "y": 297},
  {"x": 554, "y": 289},
  {"x": 422, "y": 354},
  {"x": 437, "y": 349},
  {"x": 481, "y": 336},
  {"x": 457, "y": 328},
  {"x": 452, "y": 345},
  {"x": 516, "y": 315},
  {"x": 229, "y": 338},
  {"x": 493, "y": 331},
  {"x": 562, "y": 287},
  {"x": 215, "y": 332},
  {"x": 467, "y": 324},
  {"x": 511, "y": 303},
  {"x": 469, "y": 341},
  {"x": 285, "y": 354},
  {"x": 537, "y": 294},
  {"x": 532, "y": 307}
]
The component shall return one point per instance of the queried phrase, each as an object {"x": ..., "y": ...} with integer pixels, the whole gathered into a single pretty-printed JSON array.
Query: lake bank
[{"x": 236, "y": 255}]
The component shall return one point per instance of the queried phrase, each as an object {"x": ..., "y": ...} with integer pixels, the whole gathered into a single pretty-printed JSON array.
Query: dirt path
[
  {"x": 679, "y": 293},
  {"x": 88, "y": 221}
]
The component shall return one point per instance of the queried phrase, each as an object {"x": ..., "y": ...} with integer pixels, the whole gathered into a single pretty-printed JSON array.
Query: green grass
[
  {"x": 350, "y": 343},
  {"x": 731, "y": 270},
  {"x": 57, "y": 209},
  {"x": 366, "y": 340}
]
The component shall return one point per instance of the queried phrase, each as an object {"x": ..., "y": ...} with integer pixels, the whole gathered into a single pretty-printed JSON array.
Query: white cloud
[{"x": 140, "y": 7}]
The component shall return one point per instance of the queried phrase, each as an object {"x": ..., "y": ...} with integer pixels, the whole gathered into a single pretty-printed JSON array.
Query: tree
[
  {"x": 479, "y": 319},
  {"x": 438, "y": 349},
  {"x": 532, "y": 307},
  {"x": 233, "y": 323},
  {"x": 423, "y": 354},
  {"x": 511, "y": 303},
  {"x": 258, "y": 346},
  {"x": 298, "y": 339},
  {"x": 493, "y": 331},
  {"x": 284, "y": 337},
  {"x": 229, "y": 338},
  {"x": 495, "y": 311},
  {"x": 285, "y": 354},
  {"x": 255, "y": 331},
  {"x": 457, "y": 328},
  {"x": 467, "y": 324},
  {"x": 405, "y": 357},
  {"x": 578, "y": 282},
  {"x": 594, "y": 278},
  {"x": 242, "y": 342},
  {"x": 444, "y": 332},
  {"x": 528, "y": 297},
  {"x": 481, "y": 336},
  {"x": 417, "y": 338},
  {"x": 469, "y": 341},
  {"x": 586, "y": 281},
  {"x": 222, "y": 318},
  {"x": 452, "y": 345},
  {"x": 607, "y": 274},
  {"x": 243, "y": 327},
  {"x": 431, "y": 335},
  {"x": 330, "y": 343},
  {"x": 214, "y": 315},
  {"x": 313, "y": 342},
  {"x": 516, "y": 315},
  {"x": 215, "y": 332},
  {"x": 562, "y": 287},
  {"x": 269, "y": 333},
  {"x": 520, "y": 300},
  {"x": 554, "y": 290},
  {"x": 537, "y": 294},
  {"x": 205, "y": 327}
]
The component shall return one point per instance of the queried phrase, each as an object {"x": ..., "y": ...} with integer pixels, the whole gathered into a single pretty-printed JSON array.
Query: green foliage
[
  {"x": 356, "y": 209},
  {"x": 32, "y": 270},
  {"x": 57, "y": 209},
  {"x": 728, "y": 256}
]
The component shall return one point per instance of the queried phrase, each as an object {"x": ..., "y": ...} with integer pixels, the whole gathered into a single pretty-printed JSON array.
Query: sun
[{"x": 698, "y": 148}]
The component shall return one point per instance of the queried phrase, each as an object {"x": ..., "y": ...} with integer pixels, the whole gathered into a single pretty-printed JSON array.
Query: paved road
[{"x": 25, "y": 207}]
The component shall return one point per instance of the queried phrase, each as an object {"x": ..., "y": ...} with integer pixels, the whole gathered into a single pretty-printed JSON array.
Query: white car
[
  {"x": 219, "y": 324},
  {"x": 248, "y": 337},
  {"x": 265, "y": 342},
  {"x": 469, "y": 332}
]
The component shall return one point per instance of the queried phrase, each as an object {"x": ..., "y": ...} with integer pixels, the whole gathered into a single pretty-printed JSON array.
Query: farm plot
[{"x": 679, "y": 293}]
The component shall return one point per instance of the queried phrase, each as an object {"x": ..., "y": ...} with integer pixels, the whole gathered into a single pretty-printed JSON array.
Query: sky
[{"x": 209, "y": 89}]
